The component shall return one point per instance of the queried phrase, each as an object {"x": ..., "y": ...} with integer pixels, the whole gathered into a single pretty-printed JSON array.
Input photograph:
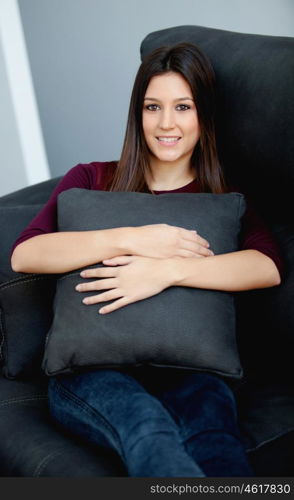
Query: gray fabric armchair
[{"x": 255, "y": 122}]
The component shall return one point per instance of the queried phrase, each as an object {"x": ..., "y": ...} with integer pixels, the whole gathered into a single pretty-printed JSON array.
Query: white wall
[
  {"x": 84, "y": 55},
  {"x": 22, "y": 153},
  {"x": 10, "y": 151}
]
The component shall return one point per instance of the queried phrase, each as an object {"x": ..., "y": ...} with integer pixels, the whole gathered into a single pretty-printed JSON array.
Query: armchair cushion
[
  {"x": 25, "y": 299},
  {"x": 26, "y": 316}
]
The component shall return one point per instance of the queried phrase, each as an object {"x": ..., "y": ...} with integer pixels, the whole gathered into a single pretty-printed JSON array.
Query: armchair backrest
[{"x": 255, "y": 108}]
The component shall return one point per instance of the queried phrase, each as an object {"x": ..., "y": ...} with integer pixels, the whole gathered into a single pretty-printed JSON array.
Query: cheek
[
  {"x": 148, "y": 126},
  {"x": 196, "y": 133},
  {"x": 145, "y": 125},
  {"x": 195, "y": 130}
]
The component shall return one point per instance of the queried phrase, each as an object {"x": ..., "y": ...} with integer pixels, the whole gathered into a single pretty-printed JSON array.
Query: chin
[{"x": 167, "y": 157}]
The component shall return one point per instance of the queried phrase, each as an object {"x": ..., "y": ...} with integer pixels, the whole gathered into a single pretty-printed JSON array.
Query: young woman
[{"x": 162, "y": 422}]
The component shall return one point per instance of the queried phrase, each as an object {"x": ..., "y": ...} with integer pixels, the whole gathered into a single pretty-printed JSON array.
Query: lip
[{"x": 168, "y": 140}]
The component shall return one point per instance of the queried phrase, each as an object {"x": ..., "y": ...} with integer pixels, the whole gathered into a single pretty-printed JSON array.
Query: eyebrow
[{"x": 179, "y": 99}]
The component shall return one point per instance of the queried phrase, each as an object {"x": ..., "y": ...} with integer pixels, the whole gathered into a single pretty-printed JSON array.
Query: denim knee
[
  {"x": 202, "y": 402},
  {"x": 149, "y": 418}
]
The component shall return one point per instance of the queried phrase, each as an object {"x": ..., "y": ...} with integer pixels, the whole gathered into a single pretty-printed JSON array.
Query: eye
[
  {"x": 182, "y": 107},
  {"x": 152, "y": 107}
]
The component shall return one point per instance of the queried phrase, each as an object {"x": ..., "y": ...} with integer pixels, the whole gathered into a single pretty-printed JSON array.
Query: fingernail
[
  {"x": 78, "y": 287},
  {"x": 101, "y": 311},
  {"x": 85, "y": 301},
  {"x": 211, "y": 253},
  {"x": 83, "y": 274}
]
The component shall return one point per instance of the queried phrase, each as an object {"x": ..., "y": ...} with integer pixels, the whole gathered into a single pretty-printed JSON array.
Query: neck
[{"x": 168, "y": 177}]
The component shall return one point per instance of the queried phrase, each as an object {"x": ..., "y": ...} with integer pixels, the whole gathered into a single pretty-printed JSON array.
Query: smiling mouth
[{"x": 168, "y": 140}]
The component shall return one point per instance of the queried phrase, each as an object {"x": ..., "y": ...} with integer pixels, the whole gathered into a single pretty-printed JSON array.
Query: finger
[
  {"x": 206, "y": 252},
  {"x": 202, "y": 241},
  {"x": 196, "y": 248},
  {"x": 98, "y": 272},
  {"x": 96, "y": 285},
  {"x": 121, "y": 260},
  {"x": 188, "y": 253},
  {"x": 102, "y": 297},
  {"x": 194, "y": 236},
  {"x": 117, "y": 304}
]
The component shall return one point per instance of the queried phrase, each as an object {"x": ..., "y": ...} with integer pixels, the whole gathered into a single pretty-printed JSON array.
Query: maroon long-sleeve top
[{"x": 254, "y": 232}]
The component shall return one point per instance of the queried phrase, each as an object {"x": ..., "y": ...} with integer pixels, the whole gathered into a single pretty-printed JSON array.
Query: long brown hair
[{"x": 187, "y": 60}]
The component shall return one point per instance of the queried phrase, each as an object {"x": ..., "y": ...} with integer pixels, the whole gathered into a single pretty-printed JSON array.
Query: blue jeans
[{"x": 173, "y": 424}]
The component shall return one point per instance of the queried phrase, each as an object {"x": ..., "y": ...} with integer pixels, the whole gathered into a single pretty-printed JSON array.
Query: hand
[
  {"x": 164, "y": 241},
  {"x": 127, "y": 279}
]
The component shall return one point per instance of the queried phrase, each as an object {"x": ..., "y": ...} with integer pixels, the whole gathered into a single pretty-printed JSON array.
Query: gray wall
[{"x": 84, "y": 55}]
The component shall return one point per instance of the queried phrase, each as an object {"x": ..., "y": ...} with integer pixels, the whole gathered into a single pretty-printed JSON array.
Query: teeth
[{"x": 168, "y": 139}]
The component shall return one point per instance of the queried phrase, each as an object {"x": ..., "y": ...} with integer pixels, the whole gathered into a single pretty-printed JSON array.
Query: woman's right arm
[
  {"x": 60, "y": 252},
  {"x": 42, "y": 249}
]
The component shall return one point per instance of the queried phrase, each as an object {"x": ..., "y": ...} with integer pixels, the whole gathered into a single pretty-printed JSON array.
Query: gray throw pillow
[{"x": 181, "y": 327}]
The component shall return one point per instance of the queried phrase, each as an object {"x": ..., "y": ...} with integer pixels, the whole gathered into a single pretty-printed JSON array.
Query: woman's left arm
[
  {"x": 128, "y": 279},
  {"x": 231, "y": 272}
]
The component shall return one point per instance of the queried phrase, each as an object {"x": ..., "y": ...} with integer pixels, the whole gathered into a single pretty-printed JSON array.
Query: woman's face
[{"x": 170, "y": 122}]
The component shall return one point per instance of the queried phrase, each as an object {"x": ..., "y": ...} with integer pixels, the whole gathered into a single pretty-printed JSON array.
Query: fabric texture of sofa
[{"x": 255, "y": 122}]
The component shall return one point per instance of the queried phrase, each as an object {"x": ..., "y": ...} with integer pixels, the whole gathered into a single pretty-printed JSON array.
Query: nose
[{"x": 167, "y": 119}]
